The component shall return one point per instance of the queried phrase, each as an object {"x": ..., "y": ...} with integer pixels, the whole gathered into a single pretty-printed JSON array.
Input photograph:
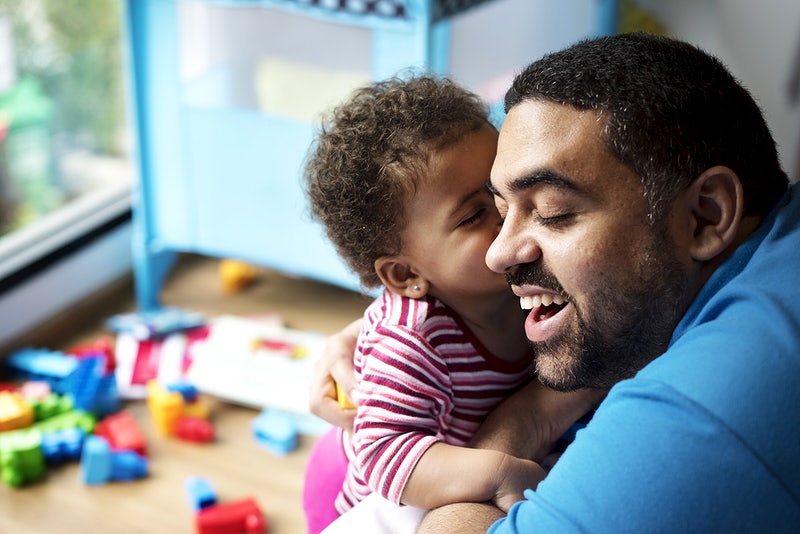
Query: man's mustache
[{"x": 534, "y": 274}]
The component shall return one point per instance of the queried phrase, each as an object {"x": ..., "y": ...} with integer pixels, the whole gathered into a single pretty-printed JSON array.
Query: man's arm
[{"x": 463, "y": 518}]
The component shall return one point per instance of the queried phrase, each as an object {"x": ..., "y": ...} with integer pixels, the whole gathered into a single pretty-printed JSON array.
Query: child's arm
[
  {"x": 529, "y": 423},
  {"x": 447, "y": 474}
]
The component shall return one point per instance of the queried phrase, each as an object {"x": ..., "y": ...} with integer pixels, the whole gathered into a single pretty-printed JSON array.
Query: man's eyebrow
[{"x": 541, "y": 177}]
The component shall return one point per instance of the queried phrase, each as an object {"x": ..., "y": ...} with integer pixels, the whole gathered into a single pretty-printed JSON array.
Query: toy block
[
  {"x": 35, "y": 390},
  {"x": 156, "y": 323},
  {"x": 235, "y": 275},
  {"x": 231, "y": 518},
  {"x": 106, "y": 400},
  {"x": 62, "y": 445},
  {"x": 122, "y": 432},
  {"x": 103, "y": 346},
  {"x": 200, "y": 492},
  {"x": 50, "y": 405},
  {"x": 165, "y": 407},
  {"x": 84, "y": 379},
  {"x": 197, "y": 409},
  {"x": 72, "y": 419},
  {"x": 14, "y": 411},
  {"x": 187, "y": 390},
  {"x": 100, "y": 464},
  {"x": 21, "y": 458},
  {"x": 194, "y": 429},
  {"x": 84, "y": 382},
  {"x": 40, "y": 364},
  {"x": 342, "y": 399},
  {"x": 275, "y": 431}
]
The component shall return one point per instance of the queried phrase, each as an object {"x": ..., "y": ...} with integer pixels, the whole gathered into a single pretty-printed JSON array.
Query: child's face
[{"x": 452, "y": 220}]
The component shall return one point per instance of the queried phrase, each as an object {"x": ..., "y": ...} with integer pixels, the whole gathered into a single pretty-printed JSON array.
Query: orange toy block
[{"x": 14, "y": 411}]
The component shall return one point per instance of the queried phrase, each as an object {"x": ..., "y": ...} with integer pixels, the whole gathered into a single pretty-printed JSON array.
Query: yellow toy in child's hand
[{"x": 341, "y": 397}]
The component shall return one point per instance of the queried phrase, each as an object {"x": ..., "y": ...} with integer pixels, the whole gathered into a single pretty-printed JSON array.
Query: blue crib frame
[{"x": 225, "y": 182}]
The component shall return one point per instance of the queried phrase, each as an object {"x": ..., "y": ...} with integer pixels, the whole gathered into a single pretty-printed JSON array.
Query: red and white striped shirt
[{"x": 423, "y": 378}]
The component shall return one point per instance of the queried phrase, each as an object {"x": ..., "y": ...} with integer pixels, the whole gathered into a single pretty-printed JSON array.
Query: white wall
[
  {"x": 496, "y": 40},
  {"x": 759, "y": 42}
]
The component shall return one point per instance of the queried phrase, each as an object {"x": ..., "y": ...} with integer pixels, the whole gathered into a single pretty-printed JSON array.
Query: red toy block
[
  {"x": 122, "y": 432},
  {"x": 231, "y": 518},
  {"x": 103, "y": 346},
  {"x": 194, "y": 429}
]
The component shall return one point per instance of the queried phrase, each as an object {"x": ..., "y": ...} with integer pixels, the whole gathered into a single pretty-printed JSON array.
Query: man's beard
[{"x": 619, "y": 330}]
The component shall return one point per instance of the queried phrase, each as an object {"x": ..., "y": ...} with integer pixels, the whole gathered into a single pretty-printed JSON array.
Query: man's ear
[
  {"x": 716, "y": 201},
  {"x": 399, "y": 277}
]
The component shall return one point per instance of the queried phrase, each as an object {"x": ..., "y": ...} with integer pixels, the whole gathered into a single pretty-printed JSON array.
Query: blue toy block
[
  {"x": 106, "y": 400},
  {"x": 40, "y": 364},
  {"x": 200, "y": 492},
  {"x": 100, "y": 464},
  {"x": 188, "y": 391},
  {"x": 62, "y": 445},
  {"x": 84, "y": 379},
  {"x": 157, "y": 322},
  {"x": 84, "y": 382},
  {"x": 275, "y": 431}
]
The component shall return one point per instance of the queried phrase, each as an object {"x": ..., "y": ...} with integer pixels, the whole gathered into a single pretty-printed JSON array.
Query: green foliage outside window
[
  {"x": 66, "y": 97},
  {"x": 73, "y": 48}
]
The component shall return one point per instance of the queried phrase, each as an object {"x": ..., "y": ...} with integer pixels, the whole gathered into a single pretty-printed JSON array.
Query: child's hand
[
  {"x": 514, "y": 476},
  {"x": 335, "y": 366}
]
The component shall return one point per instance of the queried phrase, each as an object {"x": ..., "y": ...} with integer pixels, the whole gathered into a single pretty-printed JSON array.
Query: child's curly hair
[{"x": 371, "y": 153}]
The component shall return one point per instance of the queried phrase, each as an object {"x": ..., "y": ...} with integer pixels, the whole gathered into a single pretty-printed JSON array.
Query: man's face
[{"x": 604, "y": 288}]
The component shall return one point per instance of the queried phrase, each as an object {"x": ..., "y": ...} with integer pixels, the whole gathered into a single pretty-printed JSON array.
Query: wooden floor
[{"x": 235, "y": 465}]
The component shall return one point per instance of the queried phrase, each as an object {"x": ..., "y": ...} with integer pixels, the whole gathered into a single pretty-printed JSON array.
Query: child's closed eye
[{"x": 474, "y": 218}]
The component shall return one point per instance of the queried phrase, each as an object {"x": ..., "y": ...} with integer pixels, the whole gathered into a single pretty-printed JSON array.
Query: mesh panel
[
  {"x": 443, "y": 9},
  {"x": 381, "y": 8},
  {"x": 391, "y": 8}
]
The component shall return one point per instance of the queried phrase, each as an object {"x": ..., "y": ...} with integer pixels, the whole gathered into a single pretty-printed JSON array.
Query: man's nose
[{"x": 512, "y": 247}]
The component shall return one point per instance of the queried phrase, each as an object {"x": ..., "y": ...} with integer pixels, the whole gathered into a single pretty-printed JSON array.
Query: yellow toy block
[
  {"x": 14, "y": 411},
  {"x": 198, "y": 409},
  {"x": 165, "y": 407},
  {"x": 341, "y": 397},
  {"x": 236, "y": 275}
]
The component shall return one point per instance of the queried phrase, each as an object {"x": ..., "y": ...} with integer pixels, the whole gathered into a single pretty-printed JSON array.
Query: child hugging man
[{"x": 398, "y": 177}]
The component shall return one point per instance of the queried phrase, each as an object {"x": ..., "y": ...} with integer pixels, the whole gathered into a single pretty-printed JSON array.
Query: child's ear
[
  {"x": 716, "y": 201},
  {"x": 400, "y": 278}
]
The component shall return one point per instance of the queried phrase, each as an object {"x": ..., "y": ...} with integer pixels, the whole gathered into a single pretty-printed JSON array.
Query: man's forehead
[{"x": 539, "y": 133}]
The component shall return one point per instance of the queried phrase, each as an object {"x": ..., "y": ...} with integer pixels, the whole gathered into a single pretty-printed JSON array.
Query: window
[{"x": 65, "y": 169}]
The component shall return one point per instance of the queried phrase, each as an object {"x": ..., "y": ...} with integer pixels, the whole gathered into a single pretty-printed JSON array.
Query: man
[{"x": 639, "y": 182}]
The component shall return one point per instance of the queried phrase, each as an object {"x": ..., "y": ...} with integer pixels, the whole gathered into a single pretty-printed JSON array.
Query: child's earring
[{"x": 416, "y": 287}]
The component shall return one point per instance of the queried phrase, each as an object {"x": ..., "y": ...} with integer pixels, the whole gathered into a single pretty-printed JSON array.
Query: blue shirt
[{"x": 706, "y": 438}]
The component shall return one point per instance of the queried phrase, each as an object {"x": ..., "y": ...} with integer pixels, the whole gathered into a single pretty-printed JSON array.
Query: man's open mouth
[{"x": 544, "y": 305}]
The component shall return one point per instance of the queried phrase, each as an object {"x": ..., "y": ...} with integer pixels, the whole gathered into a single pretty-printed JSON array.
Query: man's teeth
[{"x": 534, "y": 301}]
